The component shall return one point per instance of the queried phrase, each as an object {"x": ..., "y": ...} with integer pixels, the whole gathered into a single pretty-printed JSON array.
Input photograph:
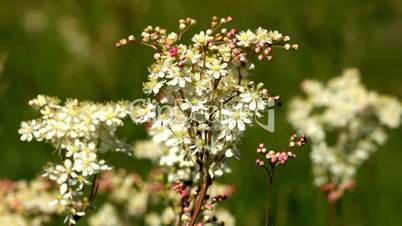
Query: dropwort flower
[
  {"x": 79, "y": 131},
  {"x": 210, "y": 72},
  {"x": 357, "y": 118}
]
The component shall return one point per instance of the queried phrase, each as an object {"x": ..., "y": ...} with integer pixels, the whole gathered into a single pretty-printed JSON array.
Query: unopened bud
[
  {"x": 123, "y": 41},
  {"x": 157, "y": 56},
  {"x": 131, "y": 38}
]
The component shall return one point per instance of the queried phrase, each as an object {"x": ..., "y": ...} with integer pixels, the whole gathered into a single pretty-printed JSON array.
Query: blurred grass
[{"x": 66, "y": 48}]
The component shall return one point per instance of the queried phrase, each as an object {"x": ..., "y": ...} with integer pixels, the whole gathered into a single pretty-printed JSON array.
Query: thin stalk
[
  {"x": 331, "y": 214},
  {"x": 338, "y": 213},
  {"x": 179, "y": 222},
  {"x": 94, "y": 188},
  {"x": 269, "y": 197},
  {"x": 200, "y": 197}
]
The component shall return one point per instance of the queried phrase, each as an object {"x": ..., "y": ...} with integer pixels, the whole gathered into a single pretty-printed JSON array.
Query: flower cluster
[
  {"x": 181, "y": 172},
  {"x": 128, "y": 200},
  {"x": 175, "y": 164},
  {"x": 281, "y": 157},
  {"x": 27, "y": 203},
  {"x": 79, "y": 131},
  {"x": 346, "y": 123},
  {"x": 203, "y": 99},
  {"x": 138, "y": 199},
  {"x": 200, "y": 104}
]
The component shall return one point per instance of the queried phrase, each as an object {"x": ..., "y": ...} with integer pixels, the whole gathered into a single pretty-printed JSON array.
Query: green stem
[
  {"x": 269, "y": 197},
  {"x": 331, "y": 214}
]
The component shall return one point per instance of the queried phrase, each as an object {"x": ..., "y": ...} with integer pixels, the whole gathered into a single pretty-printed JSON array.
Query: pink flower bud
[
  {"x": 259, "y": 162},
  {"x": 173, "y": 51},
  {"x": 209, "y": 206},
  {"x": 269, "y": 58}
]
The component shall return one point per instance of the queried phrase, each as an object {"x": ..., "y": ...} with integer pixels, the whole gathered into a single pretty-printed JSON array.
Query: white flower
[
  {"x": 216, "y": 68},
  {"x": 64, "y": 171},
  {"x": 111, "y": 115},
  {"x": 192, "y": 56},
  {"x": 236, "y": 118},
  {"x": 179, "y": 137},
  {"x": 153, "y": 86},
  {"x": 28, "y": 130},
  {"x": 246, "y": 38},
  {"x": 201, "y": 39},
  {"x": 275, "y": 35},
  {"x": 143, "y": 114},
  {"x": 254, "y": 100},
  {"x": 55, "y": 129},
  {"x": 262, "y": 36},
  {"x": 194, "y": 105},
  {"x": 86, "y": 163}
]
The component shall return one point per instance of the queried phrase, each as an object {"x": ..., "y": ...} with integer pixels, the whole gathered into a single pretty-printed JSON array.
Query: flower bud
[{"x": 131, "y": 38}]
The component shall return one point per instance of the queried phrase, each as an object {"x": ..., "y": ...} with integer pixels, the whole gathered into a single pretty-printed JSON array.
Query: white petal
[
  {"x": 232, "y": 124},
  {"x": 63, "y": 188},
  {"x": 229, "y": 153},
  {"x": 241, "y": 125}
]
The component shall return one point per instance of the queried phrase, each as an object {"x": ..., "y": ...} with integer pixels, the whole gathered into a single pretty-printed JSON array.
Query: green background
[{"x": 66, "y": 48}]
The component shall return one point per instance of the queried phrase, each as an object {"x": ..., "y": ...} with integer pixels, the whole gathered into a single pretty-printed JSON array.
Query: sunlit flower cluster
[
  {"x": 79, "y": 131},
  {"x": 202, "y": 98},
  {"x": 346, "y": 123}
]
